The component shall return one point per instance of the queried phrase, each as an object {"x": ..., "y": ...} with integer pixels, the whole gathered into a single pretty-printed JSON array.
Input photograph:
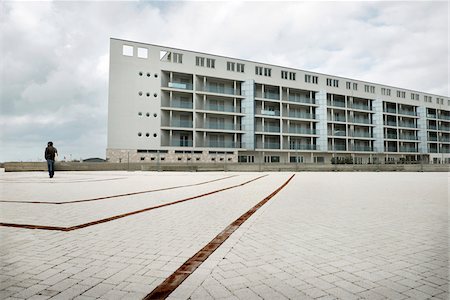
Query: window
[
  {"x": 291, "y": 76},
  {"x": 315, "y": 79},
  {"x": 414, "y": 96},
  {"x": 199, "y": 61},
  {"x": 369, "y": 89},
  {"x": 230, "y": 66},
  {"x": 240, "y": 68},
  {"x": 258, "y": 70},
  {"x": 427, "y": 98},
  {"x": 165, "y": 55},
  {"x": 307, "y": 78},
  {"x": 355, "y": 86},
  {"x": 211, "y": 63},
  {"x": 348, "y": 85},
  {"x": 267, "y": 72},
  {"x": 142, "y": 52},
  {"x": 401, "y": 94},
  {"x": 284, "y": 74},
  {"x": 332, "y": 82},
  {"x": 385, "y": 92},
  {"x": 178, "y": 58},
  {"x": 127, "y": 50}
]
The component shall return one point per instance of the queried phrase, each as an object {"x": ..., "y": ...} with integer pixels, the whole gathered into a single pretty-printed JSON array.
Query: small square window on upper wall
[
  {"x": 127, "y": 50},
  {"x": 142, "y": 52}
]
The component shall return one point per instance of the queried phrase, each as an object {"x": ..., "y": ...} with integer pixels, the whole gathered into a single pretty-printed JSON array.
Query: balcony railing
[
  {"x": 337, "y": 133},
  {"x": 270, "y": 128},
  {"x": 339, "y": 148},
  {"x": 220, "y": 90},
  {"x": 408, "y": 137},
  {"x": 391, "y": 136},
  {"x": 224, "y": 144},
  {"x": 179, "y": 85},
  {"x": 444, "y": 117},
  {"x": 444, "y": 128},
  {"x": 181, "y": 123},
  {"x": 269, "y": 112},
  {"x": 270, "y": 145},
  {"x": 407, "y": 112},
  {"x": 408, "y": 149},
  {"x": 224, "y": 108},
  {"x": 360, "y": 120},
  {"x": 444, "y": 139},
  {"x": 407, "y": 124},
  {"x": 181, "y": 143},
  {"x": 301, "y": 99},
  {"x": 302, "y": 147},
  {"x": 361, "y": 134},
  {"x": 336, "y": 103},
  {"x": 301, "y": 115},
  {"x": 338, "y": 118},
  {"x": 271, "y": 95},
  {"x": 390, "y": 149},
  {"x": 181, "y": 104},
  {"x": 432, "y": 127},
  {"x": 301, "y": 130},
  {"x": 360, "y": 106},
  {"x": 390, "y": 110},
  {"x": 222, "y": 126},
  {"x": 432, "y": 138},
  {"x": 431, "y": 116},
  {"x": 432, "y": 150},
  {"x": 390, "y": 123},
  {"x": 362, "y": 148}
]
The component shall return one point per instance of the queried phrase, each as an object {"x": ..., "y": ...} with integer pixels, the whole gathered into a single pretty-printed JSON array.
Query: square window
[
  {"x": 127, "y": 50},
  {"x": 142, "y": 52}
]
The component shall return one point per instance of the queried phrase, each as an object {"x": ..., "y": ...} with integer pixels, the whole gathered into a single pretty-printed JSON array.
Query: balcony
[
  {"x": 302, "y": 147},
  {"x": 360, "y": 106},
  {"x": 408, "y": 137},
  {"x": 179, "y": 85},
  {"x": 301, "y": 115},
  {"x": 444, "y": 139},
  {"x": 271, "y": 145},
  {"x": 339, "y": 148},
  {"x": 390, "y": 149},
  {"x": 391, "y": 110},
  {"x": 223, "y": 108},
  {"x": 433, "y": 138},
  {"x": 407, "y": 112},
  {"x": 432, "y": 150},
  {"x": 301, "y": 99},
  {"x": 181, "y": 104},
  {"x": 300, "y": 130},
  {"x": 271, "y": 95},
  {"x": 362, "y": 148},
  {"x": 444, "y": 128},
  {"x": 362, "y": 134},
  {"x": 390, "y": 123},
  {"x": 407, "y": 124},
  {"x": 337, "y": 103},
  {"x": 360, "y": 120},
  {"x": 432, "y": 127},
  {"x": 444, "y": 117},
  {"x": 337, "y": 133},
  {"x": 391, "y": 136},
  {"x": 338, "y": 119},
  {"x": 408, "y": 149},
  {"x": 223, "y": 144},
  {"x": 270, "y": 128},
  {"x": 181, "y": 143},
  {"x": 269, "y": 112},
  {"x": 220, "y": 90},
  {"x": 222, "y": 126},
  {"x": 431, "y": 116},
  {"x": 181, "y": 123}
]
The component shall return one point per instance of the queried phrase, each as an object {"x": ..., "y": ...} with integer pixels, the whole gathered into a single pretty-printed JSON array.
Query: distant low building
[
  {"x": 174, "y": 105},
  {"x": 94, "y": 159}
]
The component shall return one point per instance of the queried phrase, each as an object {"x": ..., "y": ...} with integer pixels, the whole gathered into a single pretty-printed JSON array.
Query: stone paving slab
[
  {"x": 324, "y": 236},
  {"x": 337, "y": 236}
]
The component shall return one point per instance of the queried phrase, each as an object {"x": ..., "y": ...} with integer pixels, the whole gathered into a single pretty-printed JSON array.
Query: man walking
[{"x": 50, "y": 153}]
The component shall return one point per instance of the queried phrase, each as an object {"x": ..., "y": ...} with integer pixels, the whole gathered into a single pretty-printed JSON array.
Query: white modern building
[{"x": 175, "y": 105}]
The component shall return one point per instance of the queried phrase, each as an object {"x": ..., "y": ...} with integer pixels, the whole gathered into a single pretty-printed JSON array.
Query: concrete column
[
  {"x": 378, "y": 134},
  {"x": 422, "y": 125},
  {"x": 321, "y": 115},
  {"x": 248, "y": 121}
]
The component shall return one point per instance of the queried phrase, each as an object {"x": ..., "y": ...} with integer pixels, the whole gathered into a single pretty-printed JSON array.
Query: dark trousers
[{"x": 51, "y": 167}]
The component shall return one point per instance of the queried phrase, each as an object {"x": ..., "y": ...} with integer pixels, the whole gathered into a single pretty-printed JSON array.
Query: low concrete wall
[{"x": 199, "y": 167}]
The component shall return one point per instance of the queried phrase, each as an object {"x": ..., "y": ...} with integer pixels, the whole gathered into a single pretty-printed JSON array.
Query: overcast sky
[{"x": 54, "y": 56}]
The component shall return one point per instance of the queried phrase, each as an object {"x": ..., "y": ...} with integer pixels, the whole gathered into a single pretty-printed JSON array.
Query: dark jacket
[{"x": 50, "y": 152}]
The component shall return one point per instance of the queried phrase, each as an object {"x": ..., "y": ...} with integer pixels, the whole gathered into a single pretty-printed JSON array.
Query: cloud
[{"x": 54, "y": 66}]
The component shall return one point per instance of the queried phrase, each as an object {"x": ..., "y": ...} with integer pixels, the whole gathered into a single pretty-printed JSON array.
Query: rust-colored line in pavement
[
  {"x": 115, "y": 196},
  {"x": 44, "y": 227},
  {"x": 163, "y": 290}
]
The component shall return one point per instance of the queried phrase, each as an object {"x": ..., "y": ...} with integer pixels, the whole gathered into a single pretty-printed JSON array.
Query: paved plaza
[{"x": 227, "y": 235}]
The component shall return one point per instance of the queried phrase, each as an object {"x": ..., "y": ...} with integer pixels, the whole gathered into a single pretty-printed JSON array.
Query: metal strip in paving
[
  {"x": 58, "y": 228},
  {"x": 115, "y": 196},
  {"x": 169, "y": 285}
]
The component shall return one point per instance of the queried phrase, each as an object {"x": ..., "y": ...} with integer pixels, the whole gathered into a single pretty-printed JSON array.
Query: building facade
[{"x": 172, "y": 105}]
